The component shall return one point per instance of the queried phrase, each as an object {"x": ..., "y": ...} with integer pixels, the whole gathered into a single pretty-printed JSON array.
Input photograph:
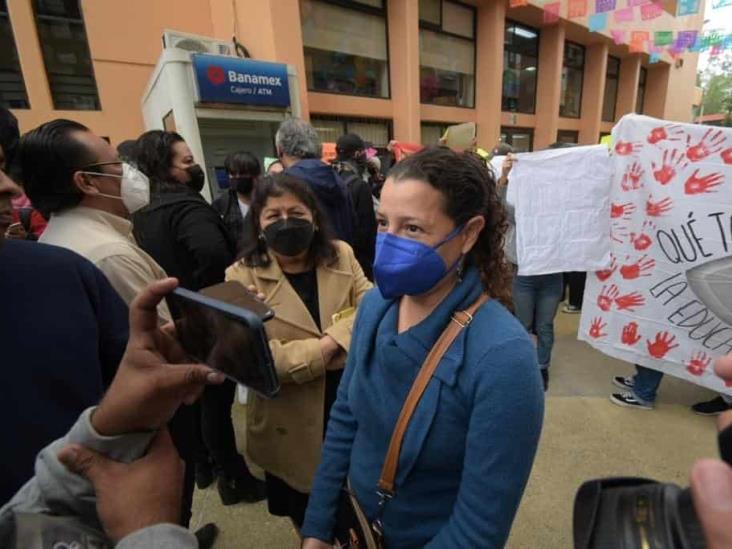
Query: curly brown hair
[{"x": 469, "y": 190}]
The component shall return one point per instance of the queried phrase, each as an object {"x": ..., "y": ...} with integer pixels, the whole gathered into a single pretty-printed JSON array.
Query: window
[
  {"x": 641, "y": 98},
  {"x": 612, "y": 74},
  {"x": 521, "y": 139},
  {"x": 432, "y": 132},
  {"x": 568, "y": 136},
  {"x": 345, "y": 47},
  {"x": 66, "y": 55},
  {"x": 520, "y": 65},
  {"x": 374, "y": 131},
  {"x": 447, "y": 53},
  {"x": 572, "y": 74},
  {"x": 12, "y": 86}
]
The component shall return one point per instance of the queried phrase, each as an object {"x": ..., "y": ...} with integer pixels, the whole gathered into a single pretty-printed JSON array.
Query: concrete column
[
  {"x": 593, "y": 93},
  {"x": 656, "y": 90},
  {"x": 489, "y": 67},
  {"x": 549, "y": 86},
  {"x": 404, "y": 68},
  {"x": 628, "y": 85}
]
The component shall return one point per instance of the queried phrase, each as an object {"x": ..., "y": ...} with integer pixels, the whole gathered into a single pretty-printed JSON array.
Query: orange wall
[{"x": 125, "y": 42}]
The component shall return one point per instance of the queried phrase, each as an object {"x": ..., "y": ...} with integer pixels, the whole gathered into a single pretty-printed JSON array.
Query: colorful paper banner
[
  {"x": 654, "y": 58},
  {"x": 598, "y": 22},
  {"x": 687, "y": 7},
  {"x": 663, "y": 38},
  {"x": 601, "y": 6},
  {"x": 551, "y": 12},
  {"x": 518, "y": 3},
  {"x": 618, "y": 36},
  {"x": 624, "y": 15},
  {"x": 638, "y": 41},
  {"x": 632, "y": 3},
  {"x": 651, "y": 11},
  {"x": 577, "y": 8},
  {"x": 686, "y": 39},
  {"x": 716, "y": 4}
]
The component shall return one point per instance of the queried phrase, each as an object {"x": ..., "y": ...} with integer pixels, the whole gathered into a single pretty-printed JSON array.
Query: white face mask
[{"x": 134, "y": 189}]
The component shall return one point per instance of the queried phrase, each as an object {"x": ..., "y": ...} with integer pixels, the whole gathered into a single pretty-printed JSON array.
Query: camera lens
[{"x": 629, "y": 513}]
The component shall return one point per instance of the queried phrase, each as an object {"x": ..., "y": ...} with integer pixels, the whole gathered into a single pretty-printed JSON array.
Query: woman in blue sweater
[{"x": 469, "y": 447}]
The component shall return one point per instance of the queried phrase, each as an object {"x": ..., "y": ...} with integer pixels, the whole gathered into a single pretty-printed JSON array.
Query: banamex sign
[{"x": 223, "y": 79}]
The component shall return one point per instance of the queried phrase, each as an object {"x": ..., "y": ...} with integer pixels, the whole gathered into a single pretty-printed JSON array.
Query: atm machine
[{"x": 219, "y": 103}]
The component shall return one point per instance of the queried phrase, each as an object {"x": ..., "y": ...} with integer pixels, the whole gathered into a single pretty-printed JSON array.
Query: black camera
[{"x": 637, "y": 513}]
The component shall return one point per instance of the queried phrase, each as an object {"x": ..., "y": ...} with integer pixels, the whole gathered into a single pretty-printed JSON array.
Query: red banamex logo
[{"x": 216, "y": 75}]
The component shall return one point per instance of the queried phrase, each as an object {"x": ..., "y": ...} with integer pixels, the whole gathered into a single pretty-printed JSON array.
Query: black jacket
[
  {"x": 364, "y": 241},
  {"x": 227, "y": 206},
  {"x": 186, "y": 237}
]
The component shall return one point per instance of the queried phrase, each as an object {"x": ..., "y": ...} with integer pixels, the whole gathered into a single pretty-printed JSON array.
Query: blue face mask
[{"x": 408, "y": 267}]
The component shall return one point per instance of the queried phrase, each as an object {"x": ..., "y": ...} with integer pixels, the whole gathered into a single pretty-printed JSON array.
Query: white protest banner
[
  {"x": 562, "y": 200},
  {"x": 665, "y": 302}
]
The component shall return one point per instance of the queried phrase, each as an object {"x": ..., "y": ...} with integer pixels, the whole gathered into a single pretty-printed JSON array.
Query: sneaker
[
  {"x": 571, "y": 309},
  {"x": 233, "y": 490},
  {"x": 712, "y": 407},
  {"x": 624, "y": 382},
  {"x": 629, "y": 401},
  {"x": 206, "y": 535},
  {"x": 204, "y": 475}
]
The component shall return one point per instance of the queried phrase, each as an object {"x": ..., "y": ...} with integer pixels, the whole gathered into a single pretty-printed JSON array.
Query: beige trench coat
[{"x": 285, "y": 434}]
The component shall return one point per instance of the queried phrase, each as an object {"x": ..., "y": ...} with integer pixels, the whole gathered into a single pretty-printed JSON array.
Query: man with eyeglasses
[{"x": 76, "y": 179}]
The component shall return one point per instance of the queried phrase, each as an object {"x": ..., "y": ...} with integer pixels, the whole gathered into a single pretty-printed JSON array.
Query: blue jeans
[
  {"x": 645, "y": 384},
  {"x": 535, "y": 300}
]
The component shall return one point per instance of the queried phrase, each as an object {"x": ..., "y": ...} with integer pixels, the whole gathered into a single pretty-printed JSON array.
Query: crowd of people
[{"x": 373, "y": 277}]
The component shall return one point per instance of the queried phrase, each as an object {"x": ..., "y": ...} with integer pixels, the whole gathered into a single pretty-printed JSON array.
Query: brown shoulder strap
[{"x": 459, "y": 320}]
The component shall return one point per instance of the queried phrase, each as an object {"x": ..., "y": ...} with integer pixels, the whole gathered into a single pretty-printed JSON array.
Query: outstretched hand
[{"x": 153, "y": 378}]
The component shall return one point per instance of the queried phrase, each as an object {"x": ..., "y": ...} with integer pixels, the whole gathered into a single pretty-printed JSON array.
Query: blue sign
[{"x": 223, "y": 79}]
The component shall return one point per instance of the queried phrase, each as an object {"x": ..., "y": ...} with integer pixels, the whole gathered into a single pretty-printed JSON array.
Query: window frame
[
  {"x": 508, "y": 130},
  {"x": 370, "y": 10},
  {"x": 346, "y": 120},
  {"x": 642, "y": 84},
  {"x": 437, "y": 29},
  {"x": 617, "y": 88},
  {"x": 582, "y": 80},
  {"x": 42, "y": 17},
  {"x": 5, "y": 13},
  {"x": 573, "y": 133},
  {"x": 536, "y": 30}
]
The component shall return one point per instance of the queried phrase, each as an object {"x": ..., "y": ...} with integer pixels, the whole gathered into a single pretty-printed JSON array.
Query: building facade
[{"x": 402, "y": 69}]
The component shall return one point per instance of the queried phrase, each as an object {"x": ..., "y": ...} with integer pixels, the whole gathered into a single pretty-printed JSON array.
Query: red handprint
[
  {"x": 632, "y": 178},
  {"x": 699, "y": 363},
  {"x": 597, "y": 327},
  {"x": 642, "y": 241},
  {"x": 607, "y": 296},
  {"x": 603, "y": 275},
  {"x": 625, "y": 148},
  {"x": 672, "y": 161},
  {"x": 701, "y": 185},
  {"x": 672, "y": 132},
  {"x": 618, "y": 232},
  {"x": 623, "y": 211},
  {"x": 629, "y": 302},
  {"x": 663, "y": 343},
  {"x": 711, "y": 143},
  {"x": 642, "y": 267},
  {"x": 630, "y": 334},
  {"x": 727, "y": 156},
  {"x": 657, "y": 209}
]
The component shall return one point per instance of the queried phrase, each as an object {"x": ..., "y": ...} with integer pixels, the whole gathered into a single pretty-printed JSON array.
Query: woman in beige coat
[{"x": 314, "y": 285}]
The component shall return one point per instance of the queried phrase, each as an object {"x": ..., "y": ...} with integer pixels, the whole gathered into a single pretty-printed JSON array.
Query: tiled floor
[{"x": 584, "y": 436}]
